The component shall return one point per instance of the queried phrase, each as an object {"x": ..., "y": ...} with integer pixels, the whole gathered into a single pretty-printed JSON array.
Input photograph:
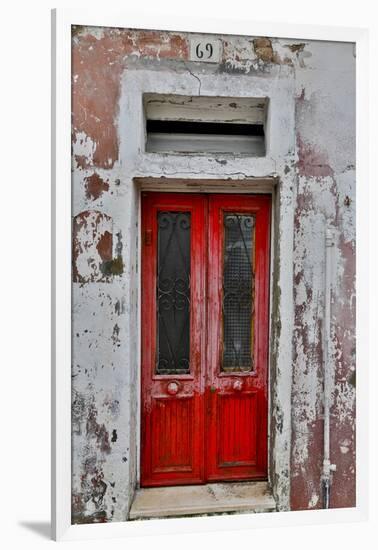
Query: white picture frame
[{"x": 61, "y": 271}]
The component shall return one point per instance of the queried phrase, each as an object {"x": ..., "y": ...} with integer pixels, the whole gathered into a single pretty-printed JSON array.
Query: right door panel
[{"x": 238, "y": 313}]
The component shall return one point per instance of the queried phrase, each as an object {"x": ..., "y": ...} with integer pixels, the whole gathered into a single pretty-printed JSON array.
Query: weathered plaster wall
[
  {"x": 315, "y": 166},
  {"x": 325, "y": 137}
]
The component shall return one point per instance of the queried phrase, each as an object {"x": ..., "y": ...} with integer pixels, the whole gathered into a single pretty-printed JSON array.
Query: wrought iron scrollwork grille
[
  {"x": 173, "y": 293},
  {"x": 237, "y": 303}
]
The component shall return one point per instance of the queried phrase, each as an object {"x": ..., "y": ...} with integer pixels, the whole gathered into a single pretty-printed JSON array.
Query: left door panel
[{"x": 173, "y": 326}]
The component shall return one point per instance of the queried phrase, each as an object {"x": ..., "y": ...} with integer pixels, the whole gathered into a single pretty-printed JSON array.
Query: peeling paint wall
[
  {"x": 325, "y": 137},
  {"x": 311, "y": 150}
]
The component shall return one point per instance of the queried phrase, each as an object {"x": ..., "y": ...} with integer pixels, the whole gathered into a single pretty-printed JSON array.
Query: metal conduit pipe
[{"x": 328, "y": 468}]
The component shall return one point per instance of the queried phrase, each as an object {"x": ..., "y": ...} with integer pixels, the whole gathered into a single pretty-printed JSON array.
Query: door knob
[
  {"x": 238, "y": 385},
  {"x": 173, "y": 388}
]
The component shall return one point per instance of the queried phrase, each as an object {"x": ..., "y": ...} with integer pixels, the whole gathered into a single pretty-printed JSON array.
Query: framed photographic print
[{"x": 205, "y": 343}]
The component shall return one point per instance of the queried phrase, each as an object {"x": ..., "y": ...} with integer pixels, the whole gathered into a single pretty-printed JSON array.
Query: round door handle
[
  {"x": 238, "y": 385},
  {"x": 173, "y": 388}
]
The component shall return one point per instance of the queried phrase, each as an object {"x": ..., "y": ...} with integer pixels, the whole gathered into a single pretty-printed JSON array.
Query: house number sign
[{"x": 205, "y": 50}]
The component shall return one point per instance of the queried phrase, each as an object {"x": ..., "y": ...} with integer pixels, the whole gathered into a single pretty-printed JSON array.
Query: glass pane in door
[
  {"x": 237, "y": 299},
  {"x": 173, "y": 293}
]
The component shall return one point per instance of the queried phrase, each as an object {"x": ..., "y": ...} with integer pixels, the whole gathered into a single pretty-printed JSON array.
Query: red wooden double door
[{"x": 205, "y": 301}]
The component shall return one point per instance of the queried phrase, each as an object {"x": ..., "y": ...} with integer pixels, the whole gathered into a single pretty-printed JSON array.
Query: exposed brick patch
[
  {"x": 92, "y": 246},
  {"x": 263, "y": 49},
  {"x": 95, "y": 186}
]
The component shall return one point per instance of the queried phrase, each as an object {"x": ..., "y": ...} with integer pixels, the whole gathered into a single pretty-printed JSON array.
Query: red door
[{"x": 205, "y": 299}]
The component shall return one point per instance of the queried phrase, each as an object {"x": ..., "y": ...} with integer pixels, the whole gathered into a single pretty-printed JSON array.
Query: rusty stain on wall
[{"x": 312, "y": 162}]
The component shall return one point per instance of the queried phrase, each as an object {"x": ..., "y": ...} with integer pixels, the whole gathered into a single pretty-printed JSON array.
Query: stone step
[{"x": 214, "y": 498}]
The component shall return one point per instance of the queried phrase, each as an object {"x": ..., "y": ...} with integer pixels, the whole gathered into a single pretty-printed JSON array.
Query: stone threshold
[{"x": 191, "y": 500}]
